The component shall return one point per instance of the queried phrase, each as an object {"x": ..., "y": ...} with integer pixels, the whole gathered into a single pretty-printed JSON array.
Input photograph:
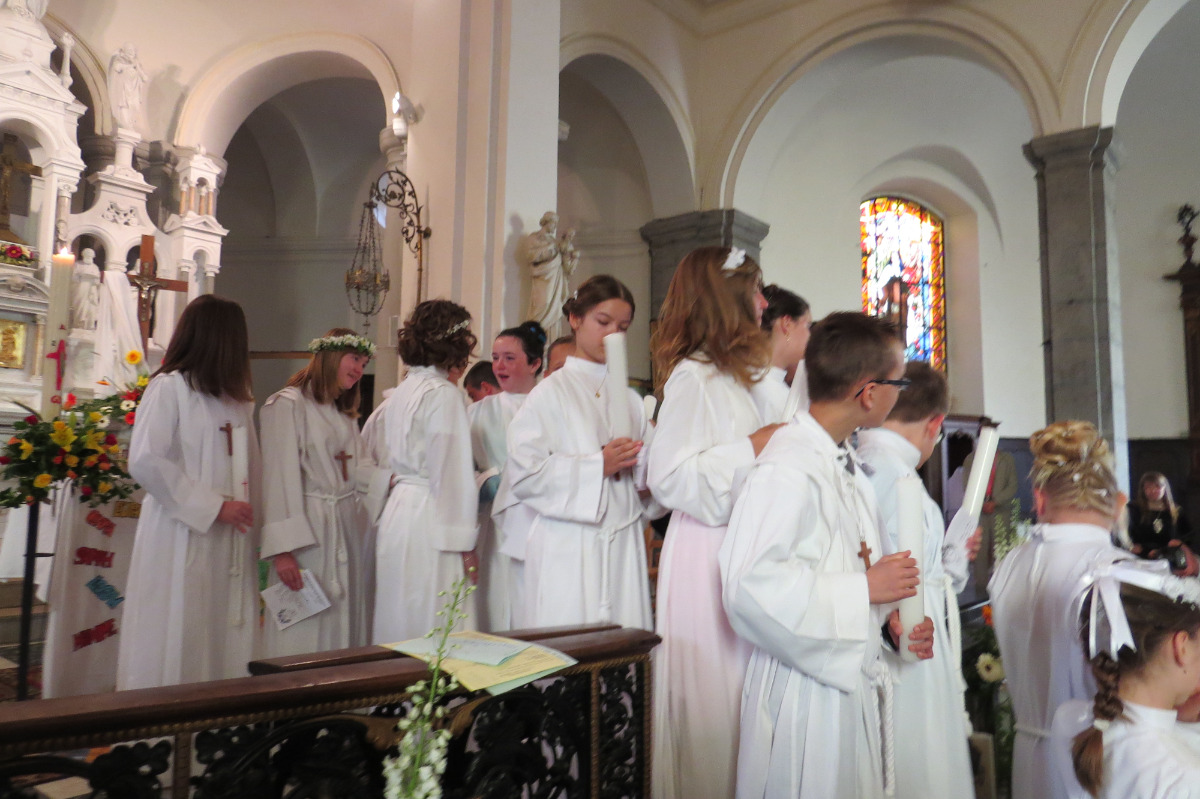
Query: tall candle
[
  {"x": 618, "y": 383},
  {"x": 796, "y": 393},
  {"x": 910, "y": 535},
  {"x": 240, "y": 472},
  {"x": 981, "y": 470},
  {"x": 62, "y": 267}
]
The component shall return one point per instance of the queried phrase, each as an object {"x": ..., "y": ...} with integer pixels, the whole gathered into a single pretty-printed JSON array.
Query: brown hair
[
  {"x": 210, "y": 348},
  {"x": 479, "y": 374},
  {"x": 595, "y": 290},
  {"x": 1168, "y": 498},
  {"x": 780, "y": 303},
  {"x": 709, "y": 311},
  {"x": 926, "y": 396},
  {"x": 1073, "y": 467},
  {"x": 319, "y": 379},
  {"x": 847, "y": 347},
  {"x": 435, "y": 335},
  {"x": 1153, "y": 619}
]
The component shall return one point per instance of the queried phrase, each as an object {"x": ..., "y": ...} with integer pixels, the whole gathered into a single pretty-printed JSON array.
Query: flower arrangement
[
  {"x": 17, "y": 254},
  {"x": 416, "y": 770},
  {"x": 988, "y": 702}
]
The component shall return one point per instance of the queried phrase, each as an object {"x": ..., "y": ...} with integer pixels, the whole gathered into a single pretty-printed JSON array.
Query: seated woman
[{"x": 1155, "y": 521}]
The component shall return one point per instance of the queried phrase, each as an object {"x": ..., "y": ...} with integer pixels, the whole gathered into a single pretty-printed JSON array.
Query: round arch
[
  {"x": 250, "y": 75},
  {"x": 90, "y": 69},
  {"x": 876, "y": 35}
]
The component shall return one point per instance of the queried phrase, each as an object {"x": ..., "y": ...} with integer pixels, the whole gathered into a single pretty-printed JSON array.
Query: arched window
[{"x": 902, "y": 274}]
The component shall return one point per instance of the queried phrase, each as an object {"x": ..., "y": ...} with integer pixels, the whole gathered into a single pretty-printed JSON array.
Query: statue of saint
[
  {"x": 126, "y": 82},
  {"x": 85, "y": 292},
  {"x": 551, "y": 260},
  {"x": 27, "y": 8}
]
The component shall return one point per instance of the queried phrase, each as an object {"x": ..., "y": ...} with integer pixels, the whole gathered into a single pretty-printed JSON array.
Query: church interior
[{"x": 1054, "y": 142}]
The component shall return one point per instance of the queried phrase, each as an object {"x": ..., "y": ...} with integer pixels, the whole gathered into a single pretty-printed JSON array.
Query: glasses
[{"x": 900, "y": 383}]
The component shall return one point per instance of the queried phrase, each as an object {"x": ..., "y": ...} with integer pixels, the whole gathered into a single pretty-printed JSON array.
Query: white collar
[
  {"x": 891, "y": 441},
  {"x": 1151, "y": 716},
  {"x": 586, "y": 367},
  {"x": 1073, "y": 532}
]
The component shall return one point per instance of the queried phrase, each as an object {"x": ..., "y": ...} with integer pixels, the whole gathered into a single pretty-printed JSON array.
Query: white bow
[
  {"x": 1108, "y": 627},
  {"x": 736, "y": 258}
]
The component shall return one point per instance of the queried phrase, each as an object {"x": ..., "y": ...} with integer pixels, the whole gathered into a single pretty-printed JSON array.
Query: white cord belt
[{"x": 332, "y": 500}]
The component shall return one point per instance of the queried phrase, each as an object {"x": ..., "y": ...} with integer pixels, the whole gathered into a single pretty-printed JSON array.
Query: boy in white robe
[
  {"x": 797, "y": 584},
  {"x": 932, "y": 757}
]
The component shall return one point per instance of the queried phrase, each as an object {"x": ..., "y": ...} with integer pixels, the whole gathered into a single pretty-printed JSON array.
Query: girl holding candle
[
  {"x": 1037, "y": 589},
  {"x": 517, "y": 356},
  {"x": 426, "y": 535},
  {"x": 708, "y": 347},
  {"x": 567, "y": 472},
  {"x": 321, "y": 493},
  {"x": 787, "y": 319},
  {"x": 192, "y": 606}
]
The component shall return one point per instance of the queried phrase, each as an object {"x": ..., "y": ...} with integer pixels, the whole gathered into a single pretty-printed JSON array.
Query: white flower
[
  {"x": 990, "y": 667},
  {"x": 128, "y": 405}
]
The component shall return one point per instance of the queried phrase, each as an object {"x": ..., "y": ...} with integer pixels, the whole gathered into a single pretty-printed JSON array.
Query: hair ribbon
[
  {"x": 1110, "y": 631},
  {"x": 736, "y": 257}
]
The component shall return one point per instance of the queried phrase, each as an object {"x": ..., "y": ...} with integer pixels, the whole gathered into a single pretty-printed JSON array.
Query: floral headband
[
  {"x": 736, "y": 258},
  {"x": 1108, "y": 627},
  {"x": 350, "y": 341},
  {"x": 456, "y": 328}
]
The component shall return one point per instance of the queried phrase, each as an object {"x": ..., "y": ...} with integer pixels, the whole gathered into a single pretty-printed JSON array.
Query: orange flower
[
  {"x": 987, "y": 615},
  {"x": 69, "y": 402}
]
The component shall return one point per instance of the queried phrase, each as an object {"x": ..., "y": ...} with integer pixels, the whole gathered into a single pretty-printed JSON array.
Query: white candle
[
  {"x": 910, "y": 535},
  {"x": 796, "y": 393},
  {"x": 618, "y": 384},
  {"x": 62, "y": 267},
  {"x": 241, "y": 465},
  {"x": 981, "y": 470}
]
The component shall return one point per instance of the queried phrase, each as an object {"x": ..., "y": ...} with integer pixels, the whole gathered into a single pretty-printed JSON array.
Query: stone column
[
  {"x": 1081, "y": 296},
  {"x": 675, "y": 236}
]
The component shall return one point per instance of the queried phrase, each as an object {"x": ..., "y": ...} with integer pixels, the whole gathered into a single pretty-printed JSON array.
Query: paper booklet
[
  {"x": 490, "y": 662},
  {"x": 288, "y": 607}
]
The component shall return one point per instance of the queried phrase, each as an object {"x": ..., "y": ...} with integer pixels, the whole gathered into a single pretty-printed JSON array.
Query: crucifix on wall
[
  {"x": 11, "y": 166},
  {"x": 148, "y": 284}
]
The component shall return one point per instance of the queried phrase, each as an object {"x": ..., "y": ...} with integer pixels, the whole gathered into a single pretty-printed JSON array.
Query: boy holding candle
[
  {"x": 932, "y": 757},
  {"x": 806, "y": 583}
]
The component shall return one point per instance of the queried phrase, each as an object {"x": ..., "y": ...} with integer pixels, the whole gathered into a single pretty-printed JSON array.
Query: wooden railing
[{"x": 320, "y": 725}]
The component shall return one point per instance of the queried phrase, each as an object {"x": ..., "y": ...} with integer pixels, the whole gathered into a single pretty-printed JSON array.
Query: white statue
[
  {"x": 85, "y": 292},
  {"x": 118, "y": 329},
  {"x": 27, "y": 8},
  {"x": 551, "y": 259},
  {"x": 126, "y": 83}
]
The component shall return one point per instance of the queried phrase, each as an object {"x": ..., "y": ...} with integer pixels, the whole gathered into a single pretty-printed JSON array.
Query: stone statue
[
  {"x": 27, "y": 8},
  {"x": 551, "y": 259},
  {"x": 85, "y": 292},
  {"x": 126, "y": 84}
]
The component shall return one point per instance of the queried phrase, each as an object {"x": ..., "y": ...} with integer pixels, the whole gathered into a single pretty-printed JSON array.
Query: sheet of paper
[
  {"x": 288, "y": 607},
  {"x": 468, "y": 645}
]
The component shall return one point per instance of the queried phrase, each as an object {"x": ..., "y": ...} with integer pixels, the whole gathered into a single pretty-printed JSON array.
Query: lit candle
[
  {"x": 910, "y": 535},
  {"x": 981, "y": 471},
  {"x": 62, "y": 267},
  {"x": 618, "y": 383}
]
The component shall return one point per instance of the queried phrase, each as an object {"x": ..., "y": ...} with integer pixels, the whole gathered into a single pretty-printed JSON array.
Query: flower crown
[
  {"x": 1108, "y": 627},
  {"x": 456, "y": 328},
  {"x": 350, "y": 341}
]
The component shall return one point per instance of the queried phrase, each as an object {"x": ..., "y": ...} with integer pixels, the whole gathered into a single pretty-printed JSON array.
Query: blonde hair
[
  {"x": 709, "y": 311},
  {"x": 319, "y": 379},
  {"x": 1073, "y": 467}
]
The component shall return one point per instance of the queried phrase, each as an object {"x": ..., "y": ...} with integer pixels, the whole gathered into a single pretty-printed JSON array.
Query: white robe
[
  {"x": 429, "y": 520},
  {"x": 700, "y": 445},
  {"x": 323, "y": 518},
  {"x": 932, "y": 754},
  {"x": 1148, "y": 753},
  {"x": 501, "y": 580},
  {"x": 585, "y": 557},
  {"x": 796, "y": 588},
  {"x": 770, "y": 395},
  {"x": 1036, "y": 593},
  {"x": 191, "y": 608}
]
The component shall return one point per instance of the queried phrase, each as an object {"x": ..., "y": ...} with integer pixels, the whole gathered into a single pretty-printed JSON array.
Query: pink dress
[{"x": 701, "y": 446}]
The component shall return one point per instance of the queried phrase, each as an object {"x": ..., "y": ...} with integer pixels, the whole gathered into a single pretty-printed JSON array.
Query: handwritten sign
[
  {"x": 94, "y": 635},
  {"x": 104, "y": 591}
]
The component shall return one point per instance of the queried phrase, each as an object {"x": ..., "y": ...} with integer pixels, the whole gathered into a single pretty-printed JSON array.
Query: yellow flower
[
  {"x": 42, "y": 480},
  {"x": 94, "y": 440},
  {"x": 133, "y": 357},
  {"x": 26, "y": 449},
  {"x": 115, "y": 449},
  {"x": 104, "y": 487},
  {"x": 95, "y": 417},
  {"x": 62, "y": 435},
  {"x": 90, "y": 461},
  {"x": 72, "y": 460},
  {"x": 142, "y": 381}
]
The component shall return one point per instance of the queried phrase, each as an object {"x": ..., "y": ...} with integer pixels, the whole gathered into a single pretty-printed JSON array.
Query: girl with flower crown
[
  {"x": 191, "y": 610},
  {"x": 573, "y": 479},
  {"x": 427, "y": 532},
  {"x": 517, "y": 357},
  {"x": 1037, "y": 589},
  {"x": 321, "y": 493},
  {"x": 709, "y": 351}
]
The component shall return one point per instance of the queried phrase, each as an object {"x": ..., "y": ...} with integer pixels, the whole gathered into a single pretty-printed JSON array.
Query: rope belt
[
  {"x": 881, "y": 679},
  {"x": 332, "y": 500}
]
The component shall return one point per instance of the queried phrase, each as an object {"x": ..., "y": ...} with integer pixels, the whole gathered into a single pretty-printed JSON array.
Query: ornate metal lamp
[
  {"x": 393, "y": 189},
  {"x": 367, "y": 282}
]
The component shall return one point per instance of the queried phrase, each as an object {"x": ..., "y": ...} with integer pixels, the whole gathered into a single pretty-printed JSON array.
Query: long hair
[
  {"x": 1168, "y": 499},
  {"x": 437, "y": 334},
  {"x": 1153, "y": 618},
  {"x": 319, "y": 379},
  {"x": 709, "y": 312},
  {"x": 210, "y": 348},
  {"x": 1073, "y": 467}
]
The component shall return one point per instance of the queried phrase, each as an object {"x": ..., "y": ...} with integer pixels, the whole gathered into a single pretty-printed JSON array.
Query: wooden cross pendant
[
  {"x": 228, "y": 431},
  {"x": 864, "y": 552},
  {"x": 343, "y": 456}
]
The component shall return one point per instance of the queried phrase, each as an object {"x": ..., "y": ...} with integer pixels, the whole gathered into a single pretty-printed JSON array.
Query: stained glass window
[{"x": 902, "y": 274}]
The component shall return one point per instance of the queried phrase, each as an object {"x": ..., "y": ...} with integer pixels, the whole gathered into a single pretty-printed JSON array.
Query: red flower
[
  {"x": 5, "y": 460},
  {"x": 58, "y": 458},
  {"x": 129, "y": 395},
  {"x": 14, "y": 251},
  {"x": 69, "y": 403},
  {"x": 32, "y": 418},
  {"x": 129, "y": 417},
  {"x": 85, "y": 491},
  {"x": 104, "y": 467},
  {"x": 110, "y": 439}
]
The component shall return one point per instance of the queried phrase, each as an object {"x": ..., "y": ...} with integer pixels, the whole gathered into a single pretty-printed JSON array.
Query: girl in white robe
[
  {"x": 708, "y": 429},
  {"x": 1138, "y": 738},
  {"x": 1036, "y": 591},
  {"x": 585, "y": 560},
  {"x": 426, "y": 537},
  {"x": 191, "y": 608},
  {"x": 321, "y": 495},
  {"x": 516, "y": 363},
  {"x": 787, "y": 319}
]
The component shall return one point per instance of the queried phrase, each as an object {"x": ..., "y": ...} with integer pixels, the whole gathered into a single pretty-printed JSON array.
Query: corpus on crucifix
[
  {"x": 148, "y": 284},
  {"x": 11, "y": 165}
]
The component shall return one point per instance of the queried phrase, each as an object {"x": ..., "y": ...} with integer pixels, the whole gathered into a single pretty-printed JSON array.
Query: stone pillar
[
  {"x": 675, "y": 236},
  {"x": 1081, "y": 295}
]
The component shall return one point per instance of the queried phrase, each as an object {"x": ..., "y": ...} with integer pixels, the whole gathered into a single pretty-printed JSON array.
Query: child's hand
[
  {"x": 893, "y": 578},
  {"x": 288, "y": 570},
  {"x": 974, "y": 543},
  {"x": 920, "y": 640},
  {"x": 239, "y": 514},
  {"x": 620, "y": 453}
]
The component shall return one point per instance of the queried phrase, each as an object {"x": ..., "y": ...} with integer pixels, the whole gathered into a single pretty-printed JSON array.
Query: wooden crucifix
[
  {"x": 10, "y": 166},
  {"x": 148, "y": 284},
  {"x": 342, "y": 457},
  {"x": 864, "y": 552}
]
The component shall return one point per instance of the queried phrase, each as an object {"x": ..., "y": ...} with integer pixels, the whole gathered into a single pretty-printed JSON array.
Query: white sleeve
[
  {"x": 686, "y": 471},
  {"x": 776, "y": 592},
  {"x": 451, "y": 472},
  {"x": 285, "y": 524}
]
